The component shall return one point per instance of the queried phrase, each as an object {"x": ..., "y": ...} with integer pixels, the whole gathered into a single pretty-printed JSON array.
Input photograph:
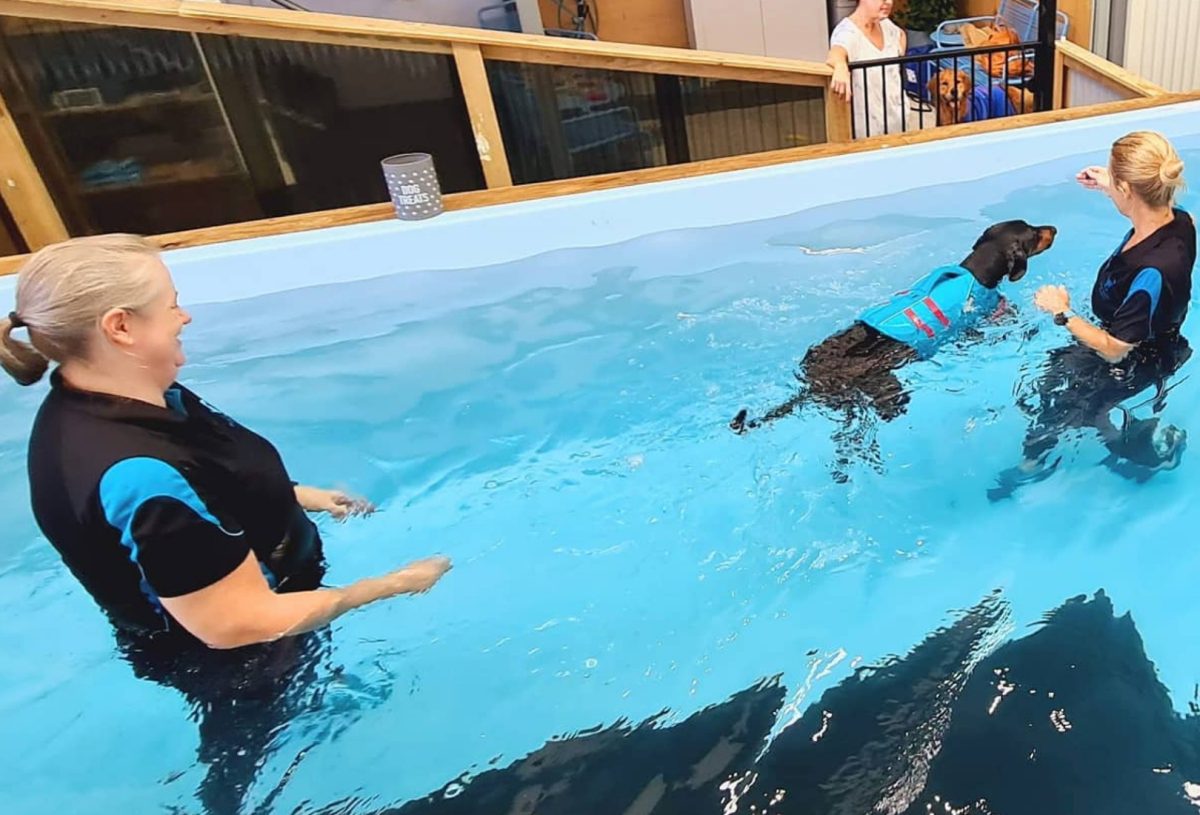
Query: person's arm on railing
[{"x": 839, "y": 61}]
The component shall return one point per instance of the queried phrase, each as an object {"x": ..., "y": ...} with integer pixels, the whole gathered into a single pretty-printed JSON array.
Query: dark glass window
[
  {"x": 157, "y": 131},
  {"x": 561, "y": 122}
]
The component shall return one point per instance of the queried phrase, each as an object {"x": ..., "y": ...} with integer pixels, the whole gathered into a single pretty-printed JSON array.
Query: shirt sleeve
[
  {"x": 173, "y": 538},
  {"x": 1133, "y": 320},
  {"x": 843, "y": 35}
]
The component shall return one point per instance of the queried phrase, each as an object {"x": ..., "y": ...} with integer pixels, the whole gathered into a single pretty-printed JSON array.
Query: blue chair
[{"x": 1019, "y": 15}]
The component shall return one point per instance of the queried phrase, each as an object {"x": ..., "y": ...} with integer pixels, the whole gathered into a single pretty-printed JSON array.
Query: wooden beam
[
  {"x": 548, "y": 189},
  {"x": 477, "y": 92},
  {"x": 838, "y": 127},
  {"x": 24, "y": 192},
  {"x": 1060, "y": 78},
  {"x": 249, "y": 21},
  {"x": 1107, "y": 72},
  {"x": 166, "y": 15},
  {"x": 717, "y": 66}
]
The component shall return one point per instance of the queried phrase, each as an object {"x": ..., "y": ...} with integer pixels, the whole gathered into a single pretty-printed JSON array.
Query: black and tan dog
[{"x": 853, "y": 372}]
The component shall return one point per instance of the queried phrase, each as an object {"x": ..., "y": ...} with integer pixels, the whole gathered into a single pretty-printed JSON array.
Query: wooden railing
[
  {"x": 1083, "y": 78},
  {"x": 42, "y": 220}
]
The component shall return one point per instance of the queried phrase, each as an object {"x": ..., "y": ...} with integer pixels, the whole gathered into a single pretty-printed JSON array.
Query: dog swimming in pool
[{"x": 853, "y": 372}]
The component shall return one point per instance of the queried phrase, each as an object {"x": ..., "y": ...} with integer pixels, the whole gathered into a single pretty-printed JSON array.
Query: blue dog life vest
[{"x": 937, "y": 307}]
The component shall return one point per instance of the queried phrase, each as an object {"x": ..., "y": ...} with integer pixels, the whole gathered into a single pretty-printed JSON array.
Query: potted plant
[{"x": 921, "y": 17}]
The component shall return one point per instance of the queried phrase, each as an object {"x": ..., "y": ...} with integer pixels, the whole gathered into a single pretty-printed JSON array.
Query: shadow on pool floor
[{"x": 1068, "y": 719}]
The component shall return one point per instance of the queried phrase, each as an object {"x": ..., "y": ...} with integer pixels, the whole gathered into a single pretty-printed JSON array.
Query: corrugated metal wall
[{"x": 1161, "y": 42}]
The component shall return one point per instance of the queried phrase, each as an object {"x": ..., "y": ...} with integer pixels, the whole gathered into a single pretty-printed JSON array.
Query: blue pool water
[{"x": 557, "y": 425}]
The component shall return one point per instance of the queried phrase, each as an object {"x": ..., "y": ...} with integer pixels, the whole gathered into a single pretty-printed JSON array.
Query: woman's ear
[{"x": 114, "y": 325}]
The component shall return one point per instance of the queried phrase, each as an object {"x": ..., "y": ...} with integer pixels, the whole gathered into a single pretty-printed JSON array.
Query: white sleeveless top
[{"x": 882, "y": 111}]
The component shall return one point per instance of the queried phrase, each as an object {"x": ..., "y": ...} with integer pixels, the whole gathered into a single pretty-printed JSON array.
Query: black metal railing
[
  {"x": 942, "y": 87},
  {"x": 930, "y": 87}
]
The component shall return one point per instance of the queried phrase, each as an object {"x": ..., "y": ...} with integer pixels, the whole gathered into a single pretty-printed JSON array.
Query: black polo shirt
[
  {"x": 1142, "y": 295},
  {"x": 145, "y": 502}
]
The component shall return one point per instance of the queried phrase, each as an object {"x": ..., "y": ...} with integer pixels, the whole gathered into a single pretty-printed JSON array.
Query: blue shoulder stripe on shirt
[
  {"x": 1148, "y": 280},
  {"x": 129, "y": 484}
]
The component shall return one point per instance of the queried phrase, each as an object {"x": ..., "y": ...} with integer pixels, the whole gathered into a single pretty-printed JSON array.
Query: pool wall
[{"x": 498, "y": 234}]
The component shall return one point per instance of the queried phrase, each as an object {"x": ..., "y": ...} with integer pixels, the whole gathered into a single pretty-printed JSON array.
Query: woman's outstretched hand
[
  {"x": 337, "y": 503},
  {"x": 1052, "y": 299},
  {"x": 420, "y": 576},
  {"x": 1095, "y": 178}
]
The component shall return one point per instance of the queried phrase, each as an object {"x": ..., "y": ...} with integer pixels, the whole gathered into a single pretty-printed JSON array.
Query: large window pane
[
  {"x": 561, "y": 122},
  {"x": 125, "y": 126},
  {"x": 156, "y": 131},
  {"x": 315, "y": 120}
]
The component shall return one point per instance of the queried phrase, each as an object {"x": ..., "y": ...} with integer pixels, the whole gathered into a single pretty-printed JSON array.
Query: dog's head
[
  {"x": 950, "y": 85},
  {"x": 1003, "y": 250}
]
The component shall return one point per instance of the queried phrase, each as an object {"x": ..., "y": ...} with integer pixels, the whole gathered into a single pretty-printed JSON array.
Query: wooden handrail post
[
  {"x": 24, "y": 192},
  {"x": 477, "y": 92},
  {"x": 837, "y": 117},
  {"x": 1060, "y": 80}
]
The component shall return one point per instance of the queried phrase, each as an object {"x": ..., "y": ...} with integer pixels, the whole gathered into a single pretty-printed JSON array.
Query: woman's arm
[
  {"x": 337, "y": 503},
  {"x": 241, "y": 609},
  {"x": 1094, "y": 337},
  {"x": 839, "y": 61},
  {"x": 1055, "y": 300}
]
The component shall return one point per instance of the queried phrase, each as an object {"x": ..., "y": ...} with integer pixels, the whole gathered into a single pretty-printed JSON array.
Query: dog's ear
[
  {"x": 933, "y": 85},
  {"x": 1018, "y": 261}
]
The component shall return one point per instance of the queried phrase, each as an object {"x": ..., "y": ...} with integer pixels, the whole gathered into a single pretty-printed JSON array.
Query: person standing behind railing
[{"x": 868, "y": 34}]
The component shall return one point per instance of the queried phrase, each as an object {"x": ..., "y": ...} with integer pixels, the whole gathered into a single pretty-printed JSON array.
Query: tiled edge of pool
[{"x": 498, "y": 234}]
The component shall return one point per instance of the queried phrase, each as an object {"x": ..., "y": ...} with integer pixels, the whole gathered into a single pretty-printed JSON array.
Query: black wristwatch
[{"x": 1062, "y": 317}]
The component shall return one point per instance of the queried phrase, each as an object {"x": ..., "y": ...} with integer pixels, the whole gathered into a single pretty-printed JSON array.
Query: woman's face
[
  {"x": 875, "y": 9},
  {"x": 152, "y": 331}
]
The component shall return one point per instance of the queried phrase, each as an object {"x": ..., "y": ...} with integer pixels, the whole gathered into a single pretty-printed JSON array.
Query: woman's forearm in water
[
  {"x": 304, "y": 611},
  {"x": 241, "y": 609},
  {"x": 1097, "y": 339}
]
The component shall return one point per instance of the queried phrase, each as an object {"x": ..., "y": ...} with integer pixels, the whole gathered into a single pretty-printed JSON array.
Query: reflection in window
[
  {"x": 157, "y": 131},
  {"x": 565, "y": 122},
  {"x": 314, "y": 121}
]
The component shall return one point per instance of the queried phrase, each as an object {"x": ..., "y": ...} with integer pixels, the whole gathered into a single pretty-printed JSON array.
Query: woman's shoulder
[{"x": 845, "y": 31}]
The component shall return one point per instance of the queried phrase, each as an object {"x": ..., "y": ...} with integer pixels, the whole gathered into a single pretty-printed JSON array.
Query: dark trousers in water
[
  {"x": 239, "y": 699},
  {"x": 242, "y": 698},
  {"x": 1078, "y": 390}
]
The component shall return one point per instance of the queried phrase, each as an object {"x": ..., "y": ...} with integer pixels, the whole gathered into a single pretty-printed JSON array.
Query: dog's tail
[{"x": 741, "y": 422}]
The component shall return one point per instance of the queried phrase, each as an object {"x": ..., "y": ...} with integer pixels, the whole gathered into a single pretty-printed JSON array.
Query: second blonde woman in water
[{"x": 1133, "y": 344}]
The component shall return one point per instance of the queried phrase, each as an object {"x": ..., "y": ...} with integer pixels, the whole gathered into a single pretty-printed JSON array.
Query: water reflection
[
  {"x": 1076, "y": 389},
  {"x": 1069, "y": 718},
  {"x": 242, "y": 699}
]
